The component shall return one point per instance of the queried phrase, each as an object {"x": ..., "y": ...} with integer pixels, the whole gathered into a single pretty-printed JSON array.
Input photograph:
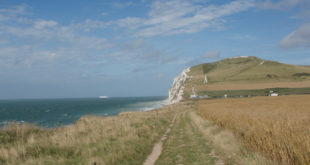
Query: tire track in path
[{"x": 158, "y": 147}]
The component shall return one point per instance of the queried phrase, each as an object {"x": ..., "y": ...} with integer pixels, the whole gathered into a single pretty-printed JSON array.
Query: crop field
[{"x": 277, "y": 127}]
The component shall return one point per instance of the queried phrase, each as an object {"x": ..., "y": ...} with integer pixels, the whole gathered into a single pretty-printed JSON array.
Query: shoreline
[
  {"x": 118, "y": 138},
  {"x": 162, "y": 104},
  {"x": 52, "y": 116}
]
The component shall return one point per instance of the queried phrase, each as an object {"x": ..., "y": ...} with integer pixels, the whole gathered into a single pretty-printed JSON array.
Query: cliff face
[{"x": 177, "y": 90}]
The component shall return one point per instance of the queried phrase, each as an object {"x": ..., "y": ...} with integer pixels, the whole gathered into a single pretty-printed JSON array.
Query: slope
[{"x": 244, "y": 73}]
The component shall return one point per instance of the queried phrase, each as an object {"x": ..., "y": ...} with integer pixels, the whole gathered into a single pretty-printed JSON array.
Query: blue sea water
[{"x": 59, "y": 112}]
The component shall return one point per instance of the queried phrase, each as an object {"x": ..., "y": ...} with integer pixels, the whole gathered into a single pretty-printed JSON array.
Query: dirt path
[
  {"x": 186, "y": 145},
  {"x": 157, "y": 149},
  {"x": 194, "y": 140}
]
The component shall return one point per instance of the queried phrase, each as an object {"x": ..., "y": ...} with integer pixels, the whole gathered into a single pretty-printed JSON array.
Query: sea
[{"x": 59, "y": 112}]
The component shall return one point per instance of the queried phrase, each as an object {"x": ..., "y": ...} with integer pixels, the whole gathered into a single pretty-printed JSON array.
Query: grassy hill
[{"x": 247, "y": 73}]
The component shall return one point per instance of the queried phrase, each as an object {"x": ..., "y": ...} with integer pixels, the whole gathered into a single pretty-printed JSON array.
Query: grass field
[
  {"x": 278, "y": 127},
  {"x": 124, "y": 139},
  {"x": 185, "y": 145},
  {"x": 255, "y": 92},
  {"x": 249, "y": 73},
  {"x": 249, "y": 70},
  {"x": 253, "y": 69},
  {"x": 250, "y": 86}
]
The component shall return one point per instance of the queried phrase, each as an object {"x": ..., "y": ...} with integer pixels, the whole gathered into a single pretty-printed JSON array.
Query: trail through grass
[
  {"x": 125, "y": 139},
  {"x": 194, "y": 140},
  {"x": 185, "y": 145}
]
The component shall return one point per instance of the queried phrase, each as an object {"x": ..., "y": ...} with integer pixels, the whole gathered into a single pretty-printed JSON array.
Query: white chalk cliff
[{"x": 177, "y": 90}]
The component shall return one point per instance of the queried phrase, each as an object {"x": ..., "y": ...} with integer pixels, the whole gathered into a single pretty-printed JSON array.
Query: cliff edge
[{"x": 177, "y": 90}]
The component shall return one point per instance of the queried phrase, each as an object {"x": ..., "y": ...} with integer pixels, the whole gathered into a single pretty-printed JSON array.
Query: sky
[{"x": 77, "y": 48}]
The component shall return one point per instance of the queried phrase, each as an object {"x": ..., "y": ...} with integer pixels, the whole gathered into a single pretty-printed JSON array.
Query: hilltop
[
  {"x": 250, "y": 69},
  {"x": 246, "y": 73}
]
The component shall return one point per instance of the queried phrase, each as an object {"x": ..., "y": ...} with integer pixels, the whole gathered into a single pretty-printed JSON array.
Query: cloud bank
[
  {"x": 182, "y": 17},
  {"x": 297, "y": 38}
]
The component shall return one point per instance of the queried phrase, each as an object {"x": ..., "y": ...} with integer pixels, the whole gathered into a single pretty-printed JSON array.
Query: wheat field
[{"x": 278, "y": 127}]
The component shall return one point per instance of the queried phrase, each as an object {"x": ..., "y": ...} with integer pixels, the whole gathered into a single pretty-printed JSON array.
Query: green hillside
[{"x": 245, "y": 70}]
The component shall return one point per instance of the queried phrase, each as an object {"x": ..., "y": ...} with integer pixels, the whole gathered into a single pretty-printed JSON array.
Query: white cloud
[
  {"x": 182, "y": 16},
  {"x": 15, "y": 10},
  {"x": 303, "y": 14},
  {"x": 2, "y": 17},
  {"x": 130, "y": 22},
  {"x": 303, "y": 11},
  {"x": 282, "y": 4},
  {"x": 243, "y": 37},
  {"x": 165, "y": 11},
  {"x": 54, "y": 44},
  {"x": 212, "y": 55},
  {"x": 51, "y": 31},
  {"x": 2, "y": 41},
  {"x": 300, "y": 8},
  {"x": 104, "y": 14},
  {"x": 158, "y": 76},
  {"x": 8, "y": 13},
  {"x": 297, "y": 38},
  {"x": 90, "y": 24},
  {"x": 40, "y": 24},
  {"x": 121, "y": 5},
  {"x": 11, "y": 55},
  {"x": 140, "y": 50},
  {"x": 301, "y": 36},
  {"x": 45, "y": 42}
]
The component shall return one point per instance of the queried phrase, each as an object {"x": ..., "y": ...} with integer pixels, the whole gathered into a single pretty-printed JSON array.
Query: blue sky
[{"x": 52, "y": 49}]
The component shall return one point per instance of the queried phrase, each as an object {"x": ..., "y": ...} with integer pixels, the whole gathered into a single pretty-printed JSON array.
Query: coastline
[
  {"x": 135, "y": 133},
  {"x": 50, "y": 113}
]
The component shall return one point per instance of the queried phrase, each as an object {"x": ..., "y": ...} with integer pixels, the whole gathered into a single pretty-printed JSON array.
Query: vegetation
[
  {"x": 234, "y": 75},
  {"x": 251, "y": 86},
  {"x": 252, "y": 69},
  {"x": 125, "y": 139},
  {"x": 208, "y": 67},
  {"x": 225, "y": 146},
  {"x": 185, "y": 145},
  {"x": 194, "y": 140},
  {"x": 301, "y": 74},
  {"x": 278, "y": 127},
  {"x": 256, "y": 92}
]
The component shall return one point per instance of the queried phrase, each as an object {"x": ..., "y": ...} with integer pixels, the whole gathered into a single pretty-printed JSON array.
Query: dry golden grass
[
  {"x": 249, "y": 86},
  {"x": 226, "y": 145},
  {"x": 278, "y": 127},
  {"x": 124, "y": 139}
]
